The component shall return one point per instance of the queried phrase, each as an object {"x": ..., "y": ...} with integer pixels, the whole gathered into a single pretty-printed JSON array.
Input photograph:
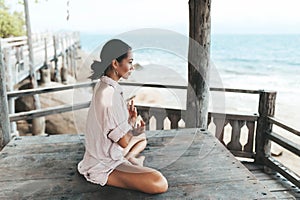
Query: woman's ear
[{"x": 114, "y": 63}]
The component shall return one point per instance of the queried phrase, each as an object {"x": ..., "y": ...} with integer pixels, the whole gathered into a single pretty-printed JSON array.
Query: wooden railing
[
  {"x": 55, "y": 51},
  {"x": 241, "y": 126},
  {"x": 256, "y": 127},
  {"x": 47, "y": 48},
  {"x": 157, "y": 117},
  {"x": 286, "y": 144}
]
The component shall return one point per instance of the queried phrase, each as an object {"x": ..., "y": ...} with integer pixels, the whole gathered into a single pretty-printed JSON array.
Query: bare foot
[{"x": 137, "y": 161}]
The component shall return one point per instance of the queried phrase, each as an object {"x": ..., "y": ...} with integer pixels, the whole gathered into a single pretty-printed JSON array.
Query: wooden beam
[
  {"x": 198, "y": 65},
  {"x": 38, "y": 124},
  {"x": 55, "y": 59},
  {"x": 47, "y": 111},
  {"x": 287, "y": 144},
  {"x": 266, "y": 109},
  {"x": 28, "y": 92},
  {"x": 232, "y": 116},
  {"x": 279, "y": 123},
  {"x": 235, "y": 90},
  {"x": 30, "y": 51},
  {"x": 4, "y": 121}
]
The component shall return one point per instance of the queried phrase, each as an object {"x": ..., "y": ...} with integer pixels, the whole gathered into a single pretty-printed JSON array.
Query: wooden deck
[
  {"x": 195, "y": 163},
  {"x": 278, "y": 185}
]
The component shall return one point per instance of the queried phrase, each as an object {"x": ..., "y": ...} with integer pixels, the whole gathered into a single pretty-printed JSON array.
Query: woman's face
[{"x": 125, "y": 66}]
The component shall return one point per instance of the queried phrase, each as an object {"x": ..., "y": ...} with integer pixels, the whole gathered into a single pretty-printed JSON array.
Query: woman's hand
[
  {"x": 132, "y": 113},
  {"x": 139, "y": 129}
]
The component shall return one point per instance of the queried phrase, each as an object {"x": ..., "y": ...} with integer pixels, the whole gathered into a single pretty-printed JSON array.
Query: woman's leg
[{"x": 138, "y": 178}]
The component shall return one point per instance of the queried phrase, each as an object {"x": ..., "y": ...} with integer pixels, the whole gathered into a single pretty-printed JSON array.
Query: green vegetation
[{"x": 11, "y": 23}]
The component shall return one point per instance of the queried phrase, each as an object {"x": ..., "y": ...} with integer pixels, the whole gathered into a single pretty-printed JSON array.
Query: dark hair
[{"x": 113, "y": 49}]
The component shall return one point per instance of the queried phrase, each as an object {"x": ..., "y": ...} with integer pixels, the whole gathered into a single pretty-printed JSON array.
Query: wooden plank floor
[
  {"x": 196, "y": 165},
  {"x": 278, "y": 185}
]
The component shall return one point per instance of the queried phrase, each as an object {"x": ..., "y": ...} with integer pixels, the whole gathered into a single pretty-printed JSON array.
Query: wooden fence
[
  {"x": 56, "y": 51},
  {"x": 47, "y": 48},
  {"x": 258, "y": 126}
]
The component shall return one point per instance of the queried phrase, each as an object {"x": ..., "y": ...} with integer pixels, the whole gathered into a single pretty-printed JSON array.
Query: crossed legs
[
  {"x": 136, "y": 145},
  {"x": 136, "y": 176}
]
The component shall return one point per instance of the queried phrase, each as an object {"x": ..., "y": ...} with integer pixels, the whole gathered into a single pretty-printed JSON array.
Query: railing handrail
[
  {"x": 47, "y": 111},
  {"x": 281, "y": 124},
  {"x": 236, "y": 90},
  {"x": 13, "y": 39},
  {"x": 287, "y": 144},
  {"x": 27, "y": 92},
  {"x": 20, "y": 93},
  {"x": 235, "y": 116},
  {"x": 66, "y": 108}
]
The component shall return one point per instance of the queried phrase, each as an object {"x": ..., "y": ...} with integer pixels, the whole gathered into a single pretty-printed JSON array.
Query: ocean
[{"x": 268, "y": 62}]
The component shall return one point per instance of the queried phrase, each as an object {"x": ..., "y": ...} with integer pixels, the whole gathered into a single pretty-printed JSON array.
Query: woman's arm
[{"x": 124, "y": 141}]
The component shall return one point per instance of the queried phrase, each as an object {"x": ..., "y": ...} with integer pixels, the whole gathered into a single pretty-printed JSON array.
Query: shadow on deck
[{"x": 195, "y": 163}]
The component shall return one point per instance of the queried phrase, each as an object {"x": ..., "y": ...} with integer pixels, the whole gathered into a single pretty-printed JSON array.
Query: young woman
[{"x": 112, "y": 141}]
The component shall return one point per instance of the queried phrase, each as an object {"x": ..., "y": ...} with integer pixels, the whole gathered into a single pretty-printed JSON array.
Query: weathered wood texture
[
  {"x": 278, "y": 185},
  {"x": 196, "y": 165},
  {"x": 198, "y": 65},
  {"x": 239, "y": 124},
  {"x": 236, "y": 90},
  {"x": 4, "y": 120},
  {"x": 279, "y": 167},
  {"x": 266, "y": 109}
]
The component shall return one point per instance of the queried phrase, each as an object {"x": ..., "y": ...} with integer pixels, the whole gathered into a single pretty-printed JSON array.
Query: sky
[{"x": 117, "y": 16}]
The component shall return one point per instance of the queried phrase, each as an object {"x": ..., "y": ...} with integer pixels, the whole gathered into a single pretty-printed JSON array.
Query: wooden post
[
  {"x": 8, "y": 67},
  {"x": 45, "y": 70},
  {"x": 63, "y": 69},
  {"x": 56, "y": 72},
  {"x": 38, "y": 124},
  {"x": 4, "y": 120},
  {"x": 46, "y": 53},
  {"x": 71, "y": 67},
  {"x": 198, "y": 66},
  {"x": 30, "y": 48},
  {"x": 266, "y": 108},
  {"x": 69, "y": 54},
  {"x": 21, "y": 65},
  {"x": 18, "y": 58},
  {"x": 74, "y": 60},
  {"x": 10, "y": 87}
]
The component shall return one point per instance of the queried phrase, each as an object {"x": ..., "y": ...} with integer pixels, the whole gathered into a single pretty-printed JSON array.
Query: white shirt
[{"x": 107, "y": 122}]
